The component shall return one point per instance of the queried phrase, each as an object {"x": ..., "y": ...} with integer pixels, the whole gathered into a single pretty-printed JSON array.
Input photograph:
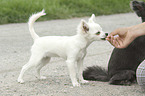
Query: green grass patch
[{"x": 16, "y": 11}]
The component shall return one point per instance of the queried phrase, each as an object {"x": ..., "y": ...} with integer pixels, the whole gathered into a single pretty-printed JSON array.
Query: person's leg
[{"x": 140, "y": 74}]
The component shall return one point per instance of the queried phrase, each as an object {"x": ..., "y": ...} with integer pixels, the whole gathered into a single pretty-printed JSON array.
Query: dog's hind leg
[
  {"x": 35, "y": 59},
  {"x": 44, "y": 61}
]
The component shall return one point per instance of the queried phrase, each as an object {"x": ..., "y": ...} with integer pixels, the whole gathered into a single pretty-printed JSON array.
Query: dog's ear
[
  {"x": 85, "y": 26},
  {"x": 92, "y": 18}
]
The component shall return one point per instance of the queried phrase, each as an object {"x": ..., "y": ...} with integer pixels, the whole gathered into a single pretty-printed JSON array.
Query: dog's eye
[{"x": 98, "y": 33}]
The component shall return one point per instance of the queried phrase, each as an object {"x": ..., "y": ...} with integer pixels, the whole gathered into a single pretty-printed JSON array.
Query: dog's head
[
  {"x": 91, "y": 30},
  {"x": 138, "y": 7}
]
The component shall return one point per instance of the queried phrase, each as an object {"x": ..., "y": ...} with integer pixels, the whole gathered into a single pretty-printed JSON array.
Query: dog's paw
[
  {"x": 76, "y": 84},
  {"x": 42, "y": 77},
  {"x": 20, "y": 81},
  {"x": 84, "y": 81}
]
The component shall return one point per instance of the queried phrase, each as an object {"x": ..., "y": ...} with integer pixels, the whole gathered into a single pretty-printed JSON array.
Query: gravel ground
[{"x": 15, "y": 43}]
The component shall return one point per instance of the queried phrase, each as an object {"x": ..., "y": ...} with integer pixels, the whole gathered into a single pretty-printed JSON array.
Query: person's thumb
[{"x": 115, "y": 32}]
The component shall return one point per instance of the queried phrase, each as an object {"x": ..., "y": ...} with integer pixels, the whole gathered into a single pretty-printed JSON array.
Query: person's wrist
[
  {"x": 131, "y": 32},
  {"x": 141, "y": 29}
]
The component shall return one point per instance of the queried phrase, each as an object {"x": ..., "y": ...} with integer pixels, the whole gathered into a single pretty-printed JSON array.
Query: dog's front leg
[
  {"x": 80, "y": 71},
  {"x": 72, "y": 71}
]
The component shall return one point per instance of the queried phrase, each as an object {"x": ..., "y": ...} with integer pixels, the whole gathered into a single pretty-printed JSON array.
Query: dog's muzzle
[{"x": 106, "y": 34}]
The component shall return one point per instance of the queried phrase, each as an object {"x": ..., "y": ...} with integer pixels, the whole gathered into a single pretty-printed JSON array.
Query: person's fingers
[
  {"x": 108, "y": 37},
  {"x": 112, "y": 38},
  {"x": 115, "y": 43},
  {"x": 112, "y": 41},
  {"x": 119, "y": 40},
  {"x": 109, "y": 40}
]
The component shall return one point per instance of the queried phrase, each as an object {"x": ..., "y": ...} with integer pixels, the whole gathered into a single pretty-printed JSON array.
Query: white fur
[{"x": 71, "y": 48}]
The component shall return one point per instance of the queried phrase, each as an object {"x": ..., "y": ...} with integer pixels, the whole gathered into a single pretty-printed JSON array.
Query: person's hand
[
  {"x": 123, "y": 39},
  {"x": 125, "y": 35}
]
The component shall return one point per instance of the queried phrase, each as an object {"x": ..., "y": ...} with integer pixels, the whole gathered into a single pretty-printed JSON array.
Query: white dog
[{"x": 71, "y": 48}]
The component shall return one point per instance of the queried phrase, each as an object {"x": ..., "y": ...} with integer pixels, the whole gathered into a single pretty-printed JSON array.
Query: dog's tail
[
  {"x": 96, "y": 73},
  {"x": 31, "y": 21}
]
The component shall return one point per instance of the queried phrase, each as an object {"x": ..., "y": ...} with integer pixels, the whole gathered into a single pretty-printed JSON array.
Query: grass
[{"x": 16, "y": 11}]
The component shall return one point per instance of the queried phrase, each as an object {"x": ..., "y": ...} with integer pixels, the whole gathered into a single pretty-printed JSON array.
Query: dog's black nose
[
  {"x": 106, "y": 34},
  {"x": 103, "y": 39}
]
